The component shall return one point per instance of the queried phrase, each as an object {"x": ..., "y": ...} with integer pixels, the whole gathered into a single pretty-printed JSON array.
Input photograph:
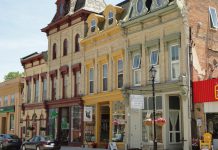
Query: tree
[{"x": 13, "y": 75}]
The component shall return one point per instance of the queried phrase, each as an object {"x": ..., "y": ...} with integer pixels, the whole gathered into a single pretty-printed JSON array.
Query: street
[{"x": 78, "y": 148}]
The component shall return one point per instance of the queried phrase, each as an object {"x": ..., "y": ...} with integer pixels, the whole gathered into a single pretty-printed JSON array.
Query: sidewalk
[{"x": 79, "y": 148}]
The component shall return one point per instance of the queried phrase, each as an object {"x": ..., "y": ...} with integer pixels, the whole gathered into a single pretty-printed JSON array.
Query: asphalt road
[{"x": 79, "y": 148}]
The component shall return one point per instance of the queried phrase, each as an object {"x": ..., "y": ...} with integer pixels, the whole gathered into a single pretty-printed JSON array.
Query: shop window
[
  {"x": 91, "y": 80},
  {"x": 174, "y": 119},
  {"x": 54, "y": 51},
  {"x": 118, "y": 121},
  {"x": 12, "y": 100},
  {"x": 105, "y": 78},
  {"x": 76, "y": 124},
  {"x": 120, "y": 73},
  {"x": 136, "y": 66},
  {"x": 147, "y": 113},
  {"x": 65, "y": 45},
  {"x": 44, "y": 86},
  {"x": 6, "y": 101},
  {"x": 174, "y": 60},
  {"x": 12, "y": 122},
  {"x": 42, "y": 125},
  {"x": 93, "y": 25},
  {"x": 36, "y": 98},
  {"x": 28, "y": 91},
  {"x": 77, "y": 47},
  {"x": 213, "y": 18},
  {"x": 52, "y": 123},
  {"x": 65, "y": 128},
  {"x": 110, "y": 18}
]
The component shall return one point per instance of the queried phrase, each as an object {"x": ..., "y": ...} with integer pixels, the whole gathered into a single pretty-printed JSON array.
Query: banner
[
  {"x": 87, "y": 114},
  {"x": 137, "y": 101}
]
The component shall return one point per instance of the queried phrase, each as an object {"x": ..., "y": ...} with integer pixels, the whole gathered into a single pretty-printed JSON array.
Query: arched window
[
  {"x": 65, "y": 47},
  {"x": 77, "y": 48},
  {"x": 54, "y": 51}
]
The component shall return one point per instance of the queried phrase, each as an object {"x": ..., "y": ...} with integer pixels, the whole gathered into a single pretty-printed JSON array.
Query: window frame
[
  {"x": 152, "y": 52},
  {"x": 212, "y": 19},
  {"x": 91, "y": 81},
  {"x": 5, "y": 100},
  {"x": 54, "y": 51},
  {"x": 29, "y": 91},
  {"x": 174, "y": 61},
  {"x": 119, "y": 73},
  {"x": 12, "y": 100},
  {"x": 77, "y": 46},
  {"x": 93, "y": 25},
  {"x": 110, "y": 18},
  {"x": 36, "y": 90},
  {"x": 139, "y": 65},
  {"x": 44, "y": 89},
  {"x": 65, "y": 47},
  {"x": 104, "y": 77},
  {"x": 12, "y": 123}
]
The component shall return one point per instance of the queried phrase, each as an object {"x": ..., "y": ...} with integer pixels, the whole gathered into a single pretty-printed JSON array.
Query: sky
[{"x": 20, "y": 33}]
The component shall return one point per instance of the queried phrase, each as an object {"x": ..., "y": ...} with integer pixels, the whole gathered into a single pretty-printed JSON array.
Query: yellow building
[
  {"x": 104, "y": 108},
  {"x": 10, "y": 106}
]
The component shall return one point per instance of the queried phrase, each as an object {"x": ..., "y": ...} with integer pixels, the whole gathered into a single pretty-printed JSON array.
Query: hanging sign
[
  {"x": 87, "y": 114},
  {"x": 137, "y": 101}
]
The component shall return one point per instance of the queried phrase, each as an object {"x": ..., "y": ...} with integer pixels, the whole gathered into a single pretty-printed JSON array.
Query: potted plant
[
  {"x": 148, "y": 122},
  {"x": 160, "y": 121}
]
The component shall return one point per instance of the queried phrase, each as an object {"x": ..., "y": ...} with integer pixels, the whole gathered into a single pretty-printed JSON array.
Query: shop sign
[
  {"x": 6, "y": 109},
  {"x": 216, "y": 91},
  {"x": 87, "y": 114},
  {"x": 137, "y": 101}
]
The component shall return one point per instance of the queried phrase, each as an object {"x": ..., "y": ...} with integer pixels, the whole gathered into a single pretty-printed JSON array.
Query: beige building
[{"x": 10, "y": 106}]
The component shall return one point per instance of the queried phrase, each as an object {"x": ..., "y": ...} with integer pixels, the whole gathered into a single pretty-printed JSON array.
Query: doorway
[
  {"x": 105, "y": 123},
  {"x": 4, "y": 125}
]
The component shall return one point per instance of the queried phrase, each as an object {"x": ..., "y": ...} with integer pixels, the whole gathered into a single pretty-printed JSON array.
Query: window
[
  {"x": 64, "y": 85},
  {"x": 44, "y": 86},
  {"x": 28, "y": 91},
  {"x": 54, "y": 51},
  {"x": 36, "y": 91},
  {"x": 139, "y": 6},
  {"x": 12, "y": 122},
  {"x": 6, "y": 101},
  {"x": 53, "y": 82},
  {"x": 77, "y": 92},
  {"x": 213, "y": 18},
  {"x": 105, "y": 73},
  {"x": 120, "y": 73},
  {"x": 0, "y": 101},
  {"x": 65, "y": 47},
  {"x": 76, "y": 124},
  {"x": 174, "y": 52},
  {"x": 93, "y": 25},
  {"x": 147, "y": 113},
  {"x": 110, "y": 18},
  {"x": 174, "y": 119},
  {"x": 136, "y": 70},
  {"x": 12, "y": 100},
  {"x": 154, "y": 58},
  {"x": 77, "y": 47},
  {"x": 91, "y": 80}
]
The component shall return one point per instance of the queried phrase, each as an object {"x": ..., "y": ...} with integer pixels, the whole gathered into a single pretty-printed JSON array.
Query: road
[{"x": 78, "y": 148}]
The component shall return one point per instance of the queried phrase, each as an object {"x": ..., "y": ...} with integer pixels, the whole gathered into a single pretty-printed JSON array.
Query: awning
[
  {"x": 7, "y": 109},
  {"x": 205, "y": 91}
]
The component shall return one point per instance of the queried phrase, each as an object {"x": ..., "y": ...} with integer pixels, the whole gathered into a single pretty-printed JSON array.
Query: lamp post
[{"x": 153, "y": 73}]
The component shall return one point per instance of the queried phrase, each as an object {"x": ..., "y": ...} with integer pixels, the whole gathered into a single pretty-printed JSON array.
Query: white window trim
[
  {"x": 174, "y": 62},
  {"x": 104, "y": 77},
  {"x": 212, "y": 26},
  {"x": 135, "y": 84},
  {"x": 157, "y": 63},
  {"x": 137, "y": 54},
  {"x": 118, "y": 71},
  {"x": 91, "y": 80}
]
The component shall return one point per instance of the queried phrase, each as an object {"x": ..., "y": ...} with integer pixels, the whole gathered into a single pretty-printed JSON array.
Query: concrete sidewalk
[{"x": 79, "y": 148}]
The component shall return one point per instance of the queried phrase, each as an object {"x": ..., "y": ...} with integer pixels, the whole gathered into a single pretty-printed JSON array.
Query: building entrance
[
  {"x": 4, "y": 125},
  {"x": 105, "y": 126}
]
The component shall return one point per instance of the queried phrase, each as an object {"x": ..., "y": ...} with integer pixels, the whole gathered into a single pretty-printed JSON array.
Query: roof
[{"x": 34, "y": 56}]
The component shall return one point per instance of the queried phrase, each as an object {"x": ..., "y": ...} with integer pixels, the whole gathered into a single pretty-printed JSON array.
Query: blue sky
[{"x": 20, "y": 34}]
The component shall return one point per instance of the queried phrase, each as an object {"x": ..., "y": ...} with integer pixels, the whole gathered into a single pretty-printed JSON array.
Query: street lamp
[{"x": 153, "y": 73}]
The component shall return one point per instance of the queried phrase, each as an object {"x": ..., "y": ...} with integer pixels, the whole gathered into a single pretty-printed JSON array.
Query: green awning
[{"x": 7, "y": 109}]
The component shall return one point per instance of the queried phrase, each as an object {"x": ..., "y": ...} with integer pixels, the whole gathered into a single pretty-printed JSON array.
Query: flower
[
  {"x": 160, "y": 121},
  {"x": 148, "y": 122}
]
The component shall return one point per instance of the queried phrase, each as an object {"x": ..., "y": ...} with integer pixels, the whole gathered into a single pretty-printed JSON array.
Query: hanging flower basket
[
  {"x": 147, "y": 122},
  {"x": 160, "y": 121}
]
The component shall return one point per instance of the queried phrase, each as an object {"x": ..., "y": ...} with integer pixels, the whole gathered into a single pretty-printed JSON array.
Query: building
[
  {"x": 10, "y": 106},
  {"x": 104, "y": 76},
  {"x": 157, "y": 35},
  {"x": 34, "y": 109}
]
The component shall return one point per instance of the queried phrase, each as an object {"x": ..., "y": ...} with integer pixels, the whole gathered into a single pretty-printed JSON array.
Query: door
[
  {"x": 135, "y": 129},
  {"x": 4, "y": 125}
]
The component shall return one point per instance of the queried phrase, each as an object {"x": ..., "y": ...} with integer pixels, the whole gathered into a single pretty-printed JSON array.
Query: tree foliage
[{"x": 13, "y": 75}]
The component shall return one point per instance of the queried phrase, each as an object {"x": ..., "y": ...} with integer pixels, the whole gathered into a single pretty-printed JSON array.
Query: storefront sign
[
  {"x": 88, "y": 114},
  {"x": 6, "y": 109},
  {"x": 137, "y": 101}
]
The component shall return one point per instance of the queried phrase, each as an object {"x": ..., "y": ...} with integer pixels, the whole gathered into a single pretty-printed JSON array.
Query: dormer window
[
  {"x": 93, "y": 25},
  {"x": 213, "y": 18},
  {"x": 110, "y": 18},
  {"x": 139, "y": 6}
]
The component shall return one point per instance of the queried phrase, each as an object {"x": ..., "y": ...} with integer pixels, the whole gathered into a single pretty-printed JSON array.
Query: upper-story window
[
  {"x": 0, "y": 101},
  {"x": 54, "y": 51},
  {"x": 174, "y": 64},
  {"x": 44, "y": 90},
  {"x": 136, "y": 66},
  {"x": 53, "y": 88},
  {"x": 64, "y": 83},
  {"x": 6, "y": 101},
  {"x": 77, "y": 47},
  {"x": 213, "y": 18},
  {"x": 65, "y": 46},
  {"x": 154, "y": 61},
  {"x": 120, "y": 73},
  {"x": 12, "y": 99},
  {"x": 105, "y": 74},
  {"x": 91, "y": 80},
  {"x": 36, "y": 91},
  {"x": 139, "y": 6},
  {"x": 28, "y": 91},
  {"x": 110, "y": 18},
  {"x": 93, "y": 25},
  {"x": 77, "y": 88}
]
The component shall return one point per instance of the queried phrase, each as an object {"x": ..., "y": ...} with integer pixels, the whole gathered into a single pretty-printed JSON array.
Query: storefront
[
  {"x": 7, "y": 120},
  {"x": 205, "y": 98},
  {"x": 104, "y": 120}
]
